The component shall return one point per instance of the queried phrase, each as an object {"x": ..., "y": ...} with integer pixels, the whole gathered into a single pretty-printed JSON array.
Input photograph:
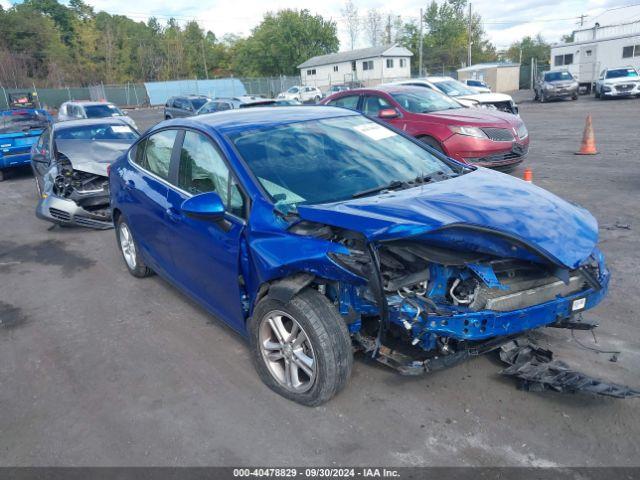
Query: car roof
[
  {"x": 89, "y": 121},
  {"x": 239, "y": 120},
  {"x": 387, "y": 88}
]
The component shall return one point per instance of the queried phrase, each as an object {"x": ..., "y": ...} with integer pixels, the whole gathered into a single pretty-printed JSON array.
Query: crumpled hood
[
  {"x": 92, "y": 156},
  {"x": 564, "y": 233}
]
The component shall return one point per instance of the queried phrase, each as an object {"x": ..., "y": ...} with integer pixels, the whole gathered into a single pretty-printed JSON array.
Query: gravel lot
[{"x": 100, "y": 368}]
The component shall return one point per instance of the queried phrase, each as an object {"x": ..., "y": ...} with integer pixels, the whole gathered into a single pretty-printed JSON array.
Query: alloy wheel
[
  {"x": 287, "y": 351},
  {"x": 127, "y": 246}
]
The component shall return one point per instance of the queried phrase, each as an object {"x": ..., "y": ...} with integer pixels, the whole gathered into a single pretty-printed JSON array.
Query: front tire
[
  {"x": 130, "y": 251},
  {"x": 301, "y": 349}
]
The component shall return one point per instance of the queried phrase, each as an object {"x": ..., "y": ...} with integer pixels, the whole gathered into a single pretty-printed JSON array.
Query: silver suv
[{"x": 555, "y": 84}]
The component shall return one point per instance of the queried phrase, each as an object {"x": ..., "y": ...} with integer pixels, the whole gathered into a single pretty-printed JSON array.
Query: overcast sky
[{"x": 504, "y": 21}]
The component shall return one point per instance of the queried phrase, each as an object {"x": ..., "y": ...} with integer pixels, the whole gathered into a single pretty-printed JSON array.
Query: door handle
[{"x": 173, "y": 215}]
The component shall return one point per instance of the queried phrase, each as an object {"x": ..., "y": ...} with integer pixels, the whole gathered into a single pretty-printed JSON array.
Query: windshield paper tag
[
  {"x": 375, "y": 131},
  {"x": 120, "y": 129}
]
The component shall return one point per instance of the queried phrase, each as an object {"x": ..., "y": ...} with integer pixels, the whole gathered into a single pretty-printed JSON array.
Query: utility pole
[
  {"x": 420, "y": 47},
  {"x": 582, "y": 20},
  {"x": 469, "y": 43},
  {"x": 204, "y": 61},
  {"x": 389, "y": 29}
]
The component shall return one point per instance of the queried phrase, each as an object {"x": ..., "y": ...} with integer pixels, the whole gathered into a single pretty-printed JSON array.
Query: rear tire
[
  {"x": 308, "y": 363},
  {"x": 575, "y": 97},
  {"x": 543, "y": 99},
  {"x": 130, "y": 251}
]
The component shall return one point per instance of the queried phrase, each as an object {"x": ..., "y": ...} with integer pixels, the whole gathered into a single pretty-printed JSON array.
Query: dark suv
[{"x": 184, "y": 106}]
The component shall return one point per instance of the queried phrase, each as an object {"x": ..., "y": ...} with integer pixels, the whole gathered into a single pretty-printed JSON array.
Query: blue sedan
[{"x": 316, "y": 231}]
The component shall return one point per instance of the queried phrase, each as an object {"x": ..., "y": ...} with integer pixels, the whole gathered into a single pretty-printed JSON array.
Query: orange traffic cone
[
  {"x": 588, "y": 146},
  {"x": 528, "y": 175}
]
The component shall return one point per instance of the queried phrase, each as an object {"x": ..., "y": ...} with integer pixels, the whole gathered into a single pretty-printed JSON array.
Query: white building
[
  {"x": 369, "y": 66},
  {"x": 612, "y": 39}
]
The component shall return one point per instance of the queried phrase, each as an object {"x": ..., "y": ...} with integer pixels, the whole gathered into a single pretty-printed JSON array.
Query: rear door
[
  {"x": 206, "y": 255},
  {"x": 146, "y": 186}
]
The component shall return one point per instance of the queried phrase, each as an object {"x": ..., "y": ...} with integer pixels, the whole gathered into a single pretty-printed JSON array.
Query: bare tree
[
  {"x": 374, "y": 27},
  {"x": 350, "y": 14}
]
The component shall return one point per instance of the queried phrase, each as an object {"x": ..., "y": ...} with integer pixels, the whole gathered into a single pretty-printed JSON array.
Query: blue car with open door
[{"x": 316, "y": 232}]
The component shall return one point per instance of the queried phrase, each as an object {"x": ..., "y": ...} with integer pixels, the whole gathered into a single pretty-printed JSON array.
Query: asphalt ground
[{"x": 98, "y": 368}]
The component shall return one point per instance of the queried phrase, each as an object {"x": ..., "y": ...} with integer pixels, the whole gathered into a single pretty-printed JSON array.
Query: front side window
[
  {"x": 329, "y": 160},
  {"x": 154, "y": 153},
  {"x": 202, "y": 170},
  {"x": 349, "y": 101},
  {"x": 373, "y": 105}
]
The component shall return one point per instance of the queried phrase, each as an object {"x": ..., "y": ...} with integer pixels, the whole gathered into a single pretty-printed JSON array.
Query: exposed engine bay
[
  {"x": 87, "y": 190},
  {"x": 74, "y": 187},
  {"x": 425, "y": 307}
]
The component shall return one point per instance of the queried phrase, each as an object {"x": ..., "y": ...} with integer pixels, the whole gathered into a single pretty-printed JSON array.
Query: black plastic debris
[{"x": 536, "y": 370}]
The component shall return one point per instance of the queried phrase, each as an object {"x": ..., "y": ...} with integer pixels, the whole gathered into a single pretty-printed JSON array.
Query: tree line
[{"x": 51, "y": 44}]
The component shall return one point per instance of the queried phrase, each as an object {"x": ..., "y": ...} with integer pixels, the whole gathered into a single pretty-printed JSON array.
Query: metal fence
[{"x": 155, "y": 93}]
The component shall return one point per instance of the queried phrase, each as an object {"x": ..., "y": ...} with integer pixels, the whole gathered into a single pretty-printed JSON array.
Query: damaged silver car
[{"x": 70, "y": 163}]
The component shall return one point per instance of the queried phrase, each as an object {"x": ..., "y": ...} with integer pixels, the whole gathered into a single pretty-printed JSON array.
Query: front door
[{"x": 206, "y": 255}]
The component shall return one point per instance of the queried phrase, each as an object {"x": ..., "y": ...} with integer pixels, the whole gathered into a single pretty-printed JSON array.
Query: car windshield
[
  {"x": 424, "y": 101},
  {"x": 622, "y": 73},
  {"x": 330, "y": 160},
  {"x": 293, "y": 90},
  {"x": 557, "y": 76},
  {"x": 198, "y": 102},
  {"x": 18, "y": 121},
  {"x": 475, "y": 83},
  {"x": 97, "y": 132},
  {"x": 454, "y": 88},
  {"x": 102, "y": 111}
]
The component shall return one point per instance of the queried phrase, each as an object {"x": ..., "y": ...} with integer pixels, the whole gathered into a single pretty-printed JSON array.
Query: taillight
[{"x": 108, "y": 170}]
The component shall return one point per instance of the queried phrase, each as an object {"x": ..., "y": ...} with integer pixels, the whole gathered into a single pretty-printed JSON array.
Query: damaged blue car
[{"x": 317, "y": 232}]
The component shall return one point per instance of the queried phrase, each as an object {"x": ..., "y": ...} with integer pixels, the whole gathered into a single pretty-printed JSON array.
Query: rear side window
[
  {"x": 154, "y": 153},
  {"x": 350, "y": 101}
]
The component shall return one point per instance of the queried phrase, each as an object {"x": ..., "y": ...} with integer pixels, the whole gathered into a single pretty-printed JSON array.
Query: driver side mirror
[
  {"x": 388, "y": 113},
  {"x": 208, "y": 207}
]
